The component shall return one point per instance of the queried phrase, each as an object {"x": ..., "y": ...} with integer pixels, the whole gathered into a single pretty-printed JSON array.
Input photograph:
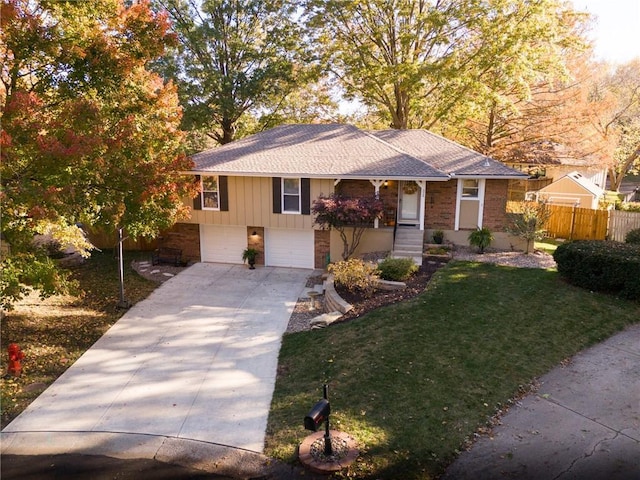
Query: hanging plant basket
[{"x": 410, "y": 188}]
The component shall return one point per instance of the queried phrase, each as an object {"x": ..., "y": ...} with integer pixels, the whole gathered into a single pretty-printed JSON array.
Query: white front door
[{"x": 409, "y": 203}]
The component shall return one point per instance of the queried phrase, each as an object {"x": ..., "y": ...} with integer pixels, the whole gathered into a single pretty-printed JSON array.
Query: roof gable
[
  {"x": 578, "y": 179},
  {"x": 446, "y": 155}
]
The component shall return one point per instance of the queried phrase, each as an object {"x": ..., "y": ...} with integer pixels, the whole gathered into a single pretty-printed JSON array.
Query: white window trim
[
  {"x": 283, "y": 194},
  {"x": 479, "y": 199},
  {"x": 202, "y": 177},
  {"x": 471, "y": 197}
]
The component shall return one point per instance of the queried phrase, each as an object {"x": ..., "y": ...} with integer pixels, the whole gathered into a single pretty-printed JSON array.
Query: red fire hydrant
[{"x": 15, "y": 359}]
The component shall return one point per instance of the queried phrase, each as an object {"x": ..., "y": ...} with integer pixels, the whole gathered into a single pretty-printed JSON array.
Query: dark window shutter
[
  {"x": 224, "y": 193},
  {"x": 197, "y": 201},
  {"x": 305, "y": 187},
  {"x": 277, "y": 195}
]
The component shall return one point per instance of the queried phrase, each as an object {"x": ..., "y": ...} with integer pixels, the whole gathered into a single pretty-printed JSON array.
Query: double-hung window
[
  {"x": 470, "y": 188},
  {"x": 210, "y": 192},
  {"x": 291, "y": 198}
]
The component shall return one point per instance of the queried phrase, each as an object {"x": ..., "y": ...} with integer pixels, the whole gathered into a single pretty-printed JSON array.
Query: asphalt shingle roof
[
  {"x": 336, "y": 150},
  {"x": 446, "y": 155}
]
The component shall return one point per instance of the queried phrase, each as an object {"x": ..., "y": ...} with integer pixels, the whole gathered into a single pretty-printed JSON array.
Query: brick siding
[
  {"x": 495, "y": 204},
  {"x": 184, "y": 236},
  {"x": 322, "y": 248},
  {"x": 440, "y": 205}
]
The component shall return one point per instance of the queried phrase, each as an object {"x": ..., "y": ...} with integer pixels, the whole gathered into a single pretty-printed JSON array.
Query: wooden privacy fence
[
  {"x": 620, "y": 223},
  {"x": 586, "y": 224},
  {"x": 107, "y": 240},
  {"x": 577, "y": 223}
]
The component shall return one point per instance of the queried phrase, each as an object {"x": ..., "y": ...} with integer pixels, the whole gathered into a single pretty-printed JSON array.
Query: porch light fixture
[
  {"x": 386, "y": 184},
  {"x": 254, "y": 233}
]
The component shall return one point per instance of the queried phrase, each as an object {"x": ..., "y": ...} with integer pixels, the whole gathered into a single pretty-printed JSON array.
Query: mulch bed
[{"x": 361, "y": 304}]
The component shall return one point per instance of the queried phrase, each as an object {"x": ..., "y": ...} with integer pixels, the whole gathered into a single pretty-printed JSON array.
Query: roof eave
[
  {"x": 439, "y": 178},
  {"x": 488, "y": 177}
]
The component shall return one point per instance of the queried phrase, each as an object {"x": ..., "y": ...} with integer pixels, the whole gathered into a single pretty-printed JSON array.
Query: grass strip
[{"x": 414, "y": 381}]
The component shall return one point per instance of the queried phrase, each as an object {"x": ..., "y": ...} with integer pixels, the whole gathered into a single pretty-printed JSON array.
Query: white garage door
[
  {"x": 289, "y": 248},
  {"x": 223, "y": 244}
]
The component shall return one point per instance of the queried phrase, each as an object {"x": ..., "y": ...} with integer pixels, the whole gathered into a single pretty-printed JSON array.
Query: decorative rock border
[
  {"x": 332, "y": 301},
  {"x": 335, "y": 303}
]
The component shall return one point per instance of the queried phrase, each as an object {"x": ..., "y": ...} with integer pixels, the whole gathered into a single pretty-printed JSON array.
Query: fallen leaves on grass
[{"x": 54, "y": 332}]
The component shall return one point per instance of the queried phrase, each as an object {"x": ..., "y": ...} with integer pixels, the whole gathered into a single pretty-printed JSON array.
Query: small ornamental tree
[
  {"x": 530, "y": 222},
  {"x": 343, "y": 213}
]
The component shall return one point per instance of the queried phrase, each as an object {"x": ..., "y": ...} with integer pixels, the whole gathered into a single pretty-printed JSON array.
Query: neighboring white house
[{"x": 574, "y": 190}]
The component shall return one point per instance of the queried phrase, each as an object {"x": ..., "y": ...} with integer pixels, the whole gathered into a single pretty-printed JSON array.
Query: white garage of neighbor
[
  {"x": 289, "y": 248},
  {"x": 222, "y": 243}
]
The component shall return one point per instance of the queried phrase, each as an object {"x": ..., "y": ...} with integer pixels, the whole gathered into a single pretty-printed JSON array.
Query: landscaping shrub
[
  {"x": 633, "y": 236},
  {"x": 438, "y": 236},
  {"x": 601, "y": 266},
  {"x": 530, "y": 222},
  {"x": 481, "y": 238},
  {"x": 628, "y": 206},
  {"x": 397, "y": 269},
  {"x": 54, "y": 249},
  {"x": 355, "y": 275}
]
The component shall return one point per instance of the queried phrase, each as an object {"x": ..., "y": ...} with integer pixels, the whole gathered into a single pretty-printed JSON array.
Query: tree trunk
[
  {"x": 617, "y": 174},
  {"x": 228, "y": 131},
  {"x": 400, "y": 114}
]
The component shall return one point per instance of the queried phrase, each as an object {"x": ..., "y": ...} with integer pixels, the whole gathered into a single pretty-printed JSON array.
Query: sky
[{"x": 617, "y": 29}]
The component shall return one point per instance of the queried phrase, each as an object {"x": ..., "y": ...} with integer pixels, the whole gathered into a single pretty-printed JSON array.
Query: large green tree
[
  {"x": 421, "y": 63},
  {"x": 88, "y": 133},
  {"x": 234, "y": 57}
]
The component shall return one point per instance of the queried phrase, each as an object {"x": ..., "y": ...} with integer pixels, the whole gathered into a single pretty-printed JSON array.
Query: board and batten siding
[{"x": 251, "y": 203}]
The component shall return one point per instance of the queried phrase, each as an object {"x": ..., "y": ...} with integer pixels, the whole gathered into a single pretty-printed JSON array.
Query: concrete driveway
[{"x": 195, "y": 361}]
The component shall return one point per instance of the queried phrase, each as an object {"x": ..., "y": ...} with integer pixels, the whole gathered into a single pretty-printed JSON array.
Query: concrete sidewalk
[
  {"x": 583, "y": 423},
  {"x": 190, "y": 369}
]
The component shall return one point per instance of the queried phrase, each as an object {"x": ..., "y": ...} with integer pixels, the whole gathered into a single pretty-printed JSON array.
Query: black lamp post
[{"x": 123, "y": 303}]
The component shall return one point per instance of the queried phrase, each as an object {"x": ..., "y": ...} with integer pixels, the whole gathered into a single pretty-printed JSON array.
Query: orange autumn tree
[
  {"x": 608, "y": 111},
  {"x": 89, "y": 134}
]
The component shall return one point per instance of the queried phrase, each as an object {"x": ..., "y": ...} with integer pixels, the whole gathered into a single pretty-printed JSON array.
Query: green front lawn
[
  {"x": 414, "y": 381},
  {"x": 547, "y": 245}
]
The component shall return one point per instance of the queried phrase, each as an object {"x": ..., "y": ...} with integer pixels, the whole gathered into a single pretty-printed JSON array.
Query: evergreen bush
[
  {"x": 633, "y": 236},
  {"x": 397, "y": 269},
  {"x": 603, "y": 266}
]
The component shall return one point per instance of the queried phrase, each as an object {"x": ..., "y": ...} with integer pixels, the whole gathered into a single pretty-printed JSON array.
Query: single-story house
[
  {"x": 258, "y": 192},
  {"x": 572, "y": 190}
]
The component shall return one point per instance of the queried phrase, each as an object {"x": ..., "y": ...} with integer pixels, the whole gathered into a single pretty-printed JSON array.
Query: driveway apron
[{"x": 196, "y": 360}]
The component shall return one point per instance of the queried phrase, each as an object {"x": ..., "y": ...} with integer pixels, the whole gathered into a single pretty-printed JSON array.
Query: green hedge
[
  {"x": 601, "y": 266},
  {"x": 633, "y": 236},
  {"x": 397, "y": 269}
]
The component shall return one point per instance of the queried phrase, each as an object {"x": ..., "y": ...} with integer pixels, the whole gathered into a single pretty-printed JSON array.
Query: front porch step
[{"x": 408, "y": 244}]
